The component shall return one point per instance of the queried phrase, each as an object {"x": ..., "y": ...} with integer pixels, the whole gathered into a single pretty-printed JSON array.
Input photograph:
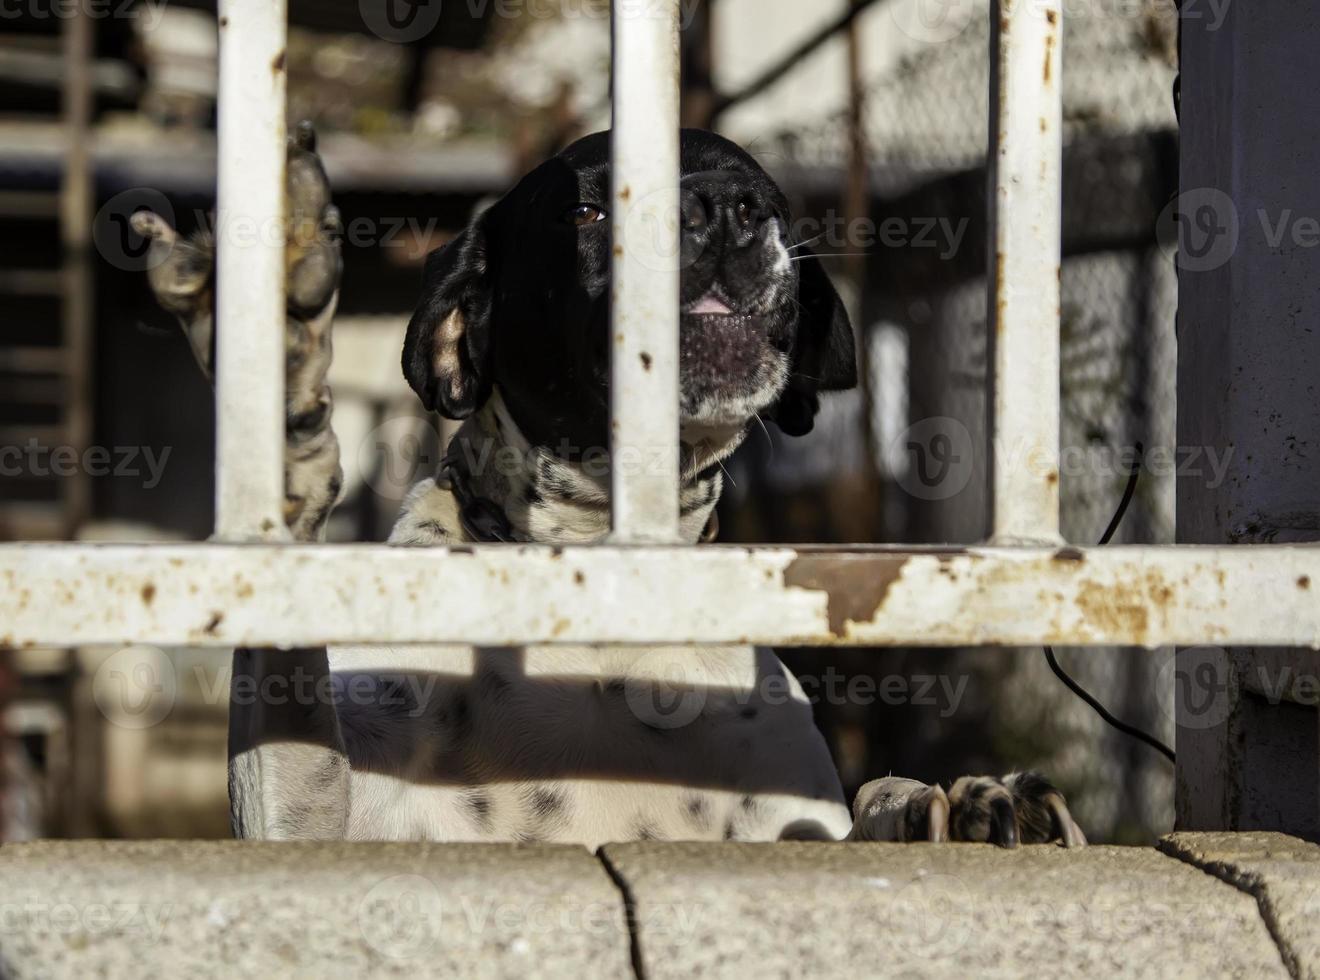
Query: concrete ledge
[
  {"x": 920, "y": 910},
  {"x": 1281, "y": 872},
  {"x": 228, "y": 908}
]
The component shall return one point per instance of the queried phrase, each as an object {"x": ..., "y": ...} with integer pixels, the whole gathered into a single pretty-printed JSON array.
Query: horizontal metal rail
[{"x": 255, "y": 594}]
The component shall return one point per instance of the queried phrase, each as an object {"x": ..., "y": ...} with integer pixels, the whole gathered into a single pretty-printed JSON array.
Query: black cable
[{"x": 1077, "y": 689}]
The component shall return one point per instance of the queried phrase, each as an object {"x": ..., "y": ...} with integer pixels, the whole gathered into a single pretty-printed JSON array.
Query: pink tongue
[{"x": 711, "y": 304}]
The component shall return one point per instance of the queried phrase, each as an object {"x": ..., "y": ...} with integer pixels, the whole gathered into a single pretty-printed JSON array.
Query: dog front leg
[{"x": 288, "y": 769}]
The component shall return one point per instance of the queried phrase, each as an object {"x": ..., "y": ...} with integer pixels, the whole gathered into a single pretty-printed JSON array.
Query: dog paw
[
  {"x": 1018, "y": 808},
  {"x": 313, "y": 260},
  {"x": 181, "y": 270},
  {"x": 896, "y": 809}
]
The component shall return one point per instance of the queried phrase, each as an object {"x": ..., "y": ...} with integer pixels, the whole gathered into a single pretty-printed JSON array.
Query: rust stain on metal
[
  {"x": 1125, "y": 610},
  {"x": 1113, "y": 611},
  {"x": 1304, "y": 583},
  {"x": 1052, "y": 16},
  {"x": 148, "y": 594},
  {"x": 214, "y": 623},
  {"x": 1070, "y": 554},
  {"x": 277, "y": 65},
  {"x": 646, "y": 361},
  {"x": 855, "y": 591},
  {"x": 1049, "y": 58}
]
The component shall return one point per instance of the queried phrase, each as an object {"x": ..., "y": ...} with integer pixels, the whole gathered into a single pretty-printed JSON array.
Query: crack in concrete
[
  {"x": 1249, "y": 884},
  {"x": 629, "y": 913}
]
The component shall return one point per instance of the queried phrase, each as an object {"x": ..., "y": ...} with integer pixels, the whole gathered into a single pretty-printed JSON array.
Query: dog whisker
[{"x": 829, "y": 255}]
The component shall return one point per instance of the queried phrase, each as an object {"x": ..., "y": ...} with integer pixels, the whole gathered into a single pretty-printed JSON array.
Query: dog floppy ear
[
  {"x": 824, "y": 355},
  {"x": 447, "y": 349}
]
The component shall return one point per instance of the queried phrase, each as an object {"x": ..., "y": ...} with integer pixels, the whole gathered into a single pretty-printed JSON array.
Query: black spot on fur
[
  {"x": 546, "y": 803},
  {"x": 328, "y": 773},
  {"x": 728, "y": 830},
  {"x": 698, "y": 811},
  {"x": 532, "y": 495},
  {"x": 477, "y": 806},
  {"x": 646, "y": 831},
  {"x": 748, "y": 804},
  {"x": 528, "y": 837},
  {"x": 434, "y": 527}
]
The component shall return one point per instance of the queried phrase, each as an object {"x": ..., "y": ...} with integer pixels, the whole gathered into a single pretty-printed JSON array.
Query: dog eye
[{"x": 584, "y": 214}]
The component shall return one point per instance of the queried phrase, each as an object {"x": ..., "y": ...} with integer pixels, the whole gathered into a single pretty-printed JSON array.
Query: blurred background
[{"x": 875, "y": 122}]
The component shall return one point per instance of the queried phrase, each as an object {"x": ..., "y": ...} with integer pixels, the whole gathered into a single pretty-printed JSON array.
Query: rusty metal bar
[
  {"x": 644, "y": 351},
  {"x": 250, "y": 271},
  {"x": 1025, "y": 163},
  {"x": 271, "y": 595}
]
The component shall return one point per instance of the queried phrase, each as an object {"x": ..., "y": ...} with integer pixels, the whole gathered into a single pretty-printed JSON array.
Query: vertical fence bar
[
  {"x": 76, "y": 208},
  {"x": 250, "y": 299},
  {"x": 1025, "y": 163},
  {"x": 644, "y": 350}
]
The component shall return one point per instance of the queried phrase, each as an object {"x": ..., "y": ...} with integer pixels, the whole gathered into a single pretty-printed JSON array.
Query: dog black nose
[{"x": 721, "y": 208}]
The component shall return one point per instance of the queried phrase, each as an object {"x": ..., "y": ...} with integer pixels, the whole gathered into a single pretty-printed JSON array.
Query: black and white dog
[{"x": 560, "y": 744}]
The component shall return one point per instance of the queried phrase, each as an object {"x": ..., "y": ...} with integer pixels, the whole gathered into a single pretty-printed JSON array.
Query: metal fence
[{"x": 1024, "y": 587}]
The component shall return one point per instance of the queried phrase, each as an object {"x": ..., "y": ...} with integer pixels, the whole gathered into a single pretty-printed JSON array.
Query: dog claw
[
  {"x": 150, "y": 225},
  {"x": 1020, "y": 808}
]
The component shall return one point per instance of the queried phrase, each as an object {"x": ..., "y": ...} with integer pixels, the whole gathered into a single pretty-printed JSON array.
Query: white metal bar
[
  {"x": 250, "y": 299},
  {"x": 1025, "y": 164},
  {"x": 644, "y": 388},
  {"x": 227, "y": 595}
]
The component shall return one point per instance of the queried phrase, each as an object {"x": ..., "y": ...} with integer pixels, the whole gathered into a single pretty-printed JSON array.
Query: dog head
[{"x": 521, "y": 301}]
